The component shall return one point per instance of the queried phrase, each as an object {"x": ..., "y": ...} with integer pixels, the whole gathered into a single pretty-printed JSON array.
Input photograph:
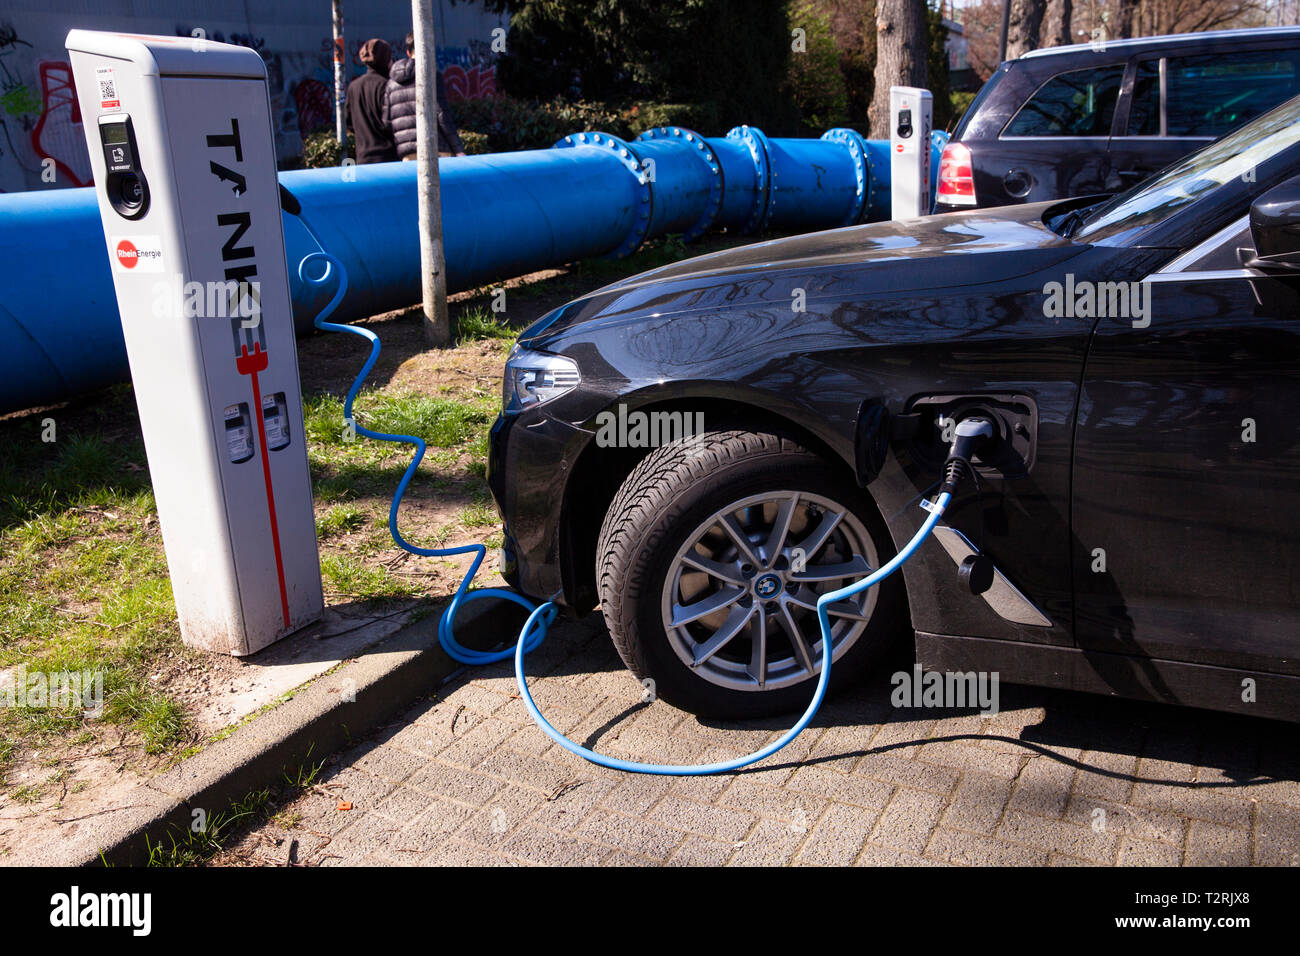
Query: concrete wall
[{"x": 41, "y": 142}]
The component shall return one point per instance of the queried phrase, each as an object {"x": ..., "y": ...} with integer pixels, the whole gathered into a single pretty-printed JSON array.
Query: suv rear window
[
  {"x": 985, "y": 92},
  {"x": 1078, "y": 103},
  {"x": 1211, "y": 94}
]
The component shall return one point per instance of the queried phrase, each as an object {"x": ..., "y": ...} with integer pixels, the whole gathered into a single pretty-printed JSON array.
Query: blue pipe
[
  {"x": 504, "y": 214},
  {"x": 59, "y": 330}
]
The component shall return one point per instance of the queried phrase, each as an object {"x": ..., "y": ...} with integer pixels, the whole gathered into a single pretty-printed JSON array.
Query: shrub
[
  {"x": 475, "y": 143},
  {"x": 503, "y": 123},
  {"x": 961, "y": 101},
  {"x": 936, "y": 56},
  {"x": 816, "y": 80},
  {"x": 733, "y": 53},
  {"x": 322, "y": 149},
  {"x": 701, "y": 117},
  {"x": 506, "y": 123}
]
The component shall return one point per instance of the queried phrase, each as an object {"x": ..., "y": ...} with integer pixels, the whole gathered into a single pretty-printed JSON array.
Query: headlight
[{"x": 535, "y": 377}]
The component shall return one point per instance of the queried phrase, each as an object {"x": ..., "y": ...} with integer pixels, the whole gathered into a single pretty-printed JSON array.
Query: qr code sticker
[{"x": 107, "y": 88}]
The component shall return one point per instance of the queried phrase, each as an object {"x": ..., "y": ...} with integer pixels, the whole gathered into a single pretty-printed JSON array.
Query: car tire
[{"x": 657, "y": 531}]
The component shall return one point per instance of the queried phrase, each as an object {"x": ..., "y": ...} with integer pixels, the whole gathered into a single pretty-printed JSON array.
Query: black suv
[{"x": 1097, "y": 118}]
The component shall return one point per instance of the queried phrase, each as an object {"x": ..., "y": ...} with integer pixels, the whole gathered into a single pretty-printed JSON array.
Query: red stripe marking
[{"x": 270, "y": 493}]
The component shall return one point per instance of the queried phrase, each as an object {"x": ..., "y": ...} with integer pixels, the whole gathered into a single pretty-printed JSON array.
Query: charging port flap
[{"x": 1009, "y": 454}]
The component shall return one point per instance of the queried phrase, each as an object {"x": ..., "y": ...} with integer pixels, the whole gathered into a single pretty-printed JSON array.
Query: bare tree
[
  {"x": 1125, "y": 15},
  {"x": 1057, "y": 24},
  {"x": 982, "y": 22},
  {"x": 901, "y": 44},
  {"x": 1022, "y": 30},
  {"x": 1191, "y": 16}
]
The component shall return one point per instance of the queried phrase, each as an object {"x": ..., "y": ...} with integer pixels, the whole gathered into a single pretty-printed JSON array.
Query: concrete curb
[{"x": 329, "y": 714}]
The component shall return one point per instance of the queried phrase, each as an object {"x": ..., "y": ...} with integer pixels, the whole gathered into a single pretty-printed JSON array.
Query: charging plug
[{"x": 970, "y": 434}]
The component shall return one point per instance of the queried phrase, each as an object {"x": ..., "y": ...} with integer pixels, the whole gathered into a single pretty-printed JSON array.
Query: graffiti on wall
[
  {"x": 20, "y": 104},
  {"x": 41, "y": 138},
  {"x": 469, "y": 72},
  {"x": 301, "y": 85}
]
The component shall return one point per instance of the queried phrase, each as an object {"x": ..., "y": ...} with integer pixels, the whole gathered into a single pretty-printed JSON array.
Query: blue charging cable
[
  {"x": 727, "y": 766},
  {"x": 446, "y": 637},
  {"x": 543, "y": 615}
]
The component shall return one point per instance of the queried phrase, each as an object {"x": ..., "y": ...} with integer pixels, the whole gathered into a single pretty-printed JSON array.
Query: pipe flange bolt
[
  {"x": 713, "y": 204},
  {"x": 857, "y": 148},
  {"x": 755, "y": 140},
  {"x": 636, "y": 166}
]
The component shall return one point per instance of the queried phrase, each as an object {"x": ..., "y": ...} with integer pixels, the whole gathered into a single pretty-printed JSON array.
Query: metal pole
[
  {"x": 433, "y": 272},
  {"x": 340, "y": 85},
  {"x": 1006, "y": 25}
]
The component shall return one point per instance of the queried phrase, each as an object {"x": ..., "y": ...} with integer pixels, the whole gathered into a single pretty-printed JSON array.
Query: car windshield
[{"x": 1236, "y": 155}]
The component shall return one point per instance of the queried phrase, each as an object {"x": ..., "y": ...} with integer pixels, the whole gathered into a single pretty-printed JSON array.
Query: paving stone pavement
[{"x": 1053, "y": 779}]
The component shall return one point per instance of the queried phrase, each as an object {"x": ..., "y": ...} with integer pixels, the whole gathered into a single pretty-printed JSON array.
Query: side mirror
[{"x": 1275, "y": 228}]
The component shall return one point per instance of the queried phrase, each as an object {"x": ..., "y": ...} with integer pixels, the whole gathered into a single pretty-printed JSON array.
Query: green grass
[
  {"x": 205, "y": 838},
  {"x": 347, "y": 576},
  {"x": 340, "y": 519},
  {"x": 441, "y": 422},
  {"x": 200, "y": 843},
  {"x": 144, "y": 607},
  {"x": 305, "y": 774},
  {"x": 77, "y": 469},
  {"x": 477, "y": 323},
  {"x": 481, "y": 514},
  {"x": 157, "y": 718},
  {"x": 83, "y": 578}
]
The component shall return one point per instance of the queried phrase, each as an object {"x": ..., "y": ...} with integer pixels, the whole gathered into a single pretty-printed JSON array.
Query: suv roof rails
[{"x": 1255, "y": 32}]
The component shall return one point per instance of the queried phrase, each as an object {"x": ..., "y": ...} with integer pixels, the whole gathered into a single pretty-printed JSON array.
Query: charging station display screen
[{"x": 114, "y": 134}]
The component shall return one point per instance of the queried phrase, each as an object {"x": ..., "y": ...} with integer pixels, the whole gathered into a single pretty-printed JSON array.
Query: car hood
[{"x": 932, "y": 252}]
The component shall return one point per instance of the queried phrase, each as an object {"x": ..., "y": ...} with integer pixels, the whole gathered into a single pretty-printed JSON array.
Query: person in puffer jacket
[{"x": 399, "y": 109}]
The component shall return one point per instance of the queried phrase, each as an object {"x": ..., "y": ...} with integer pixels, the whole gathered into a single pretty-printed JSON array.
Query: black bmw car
[{"x": 704, "y": 449}]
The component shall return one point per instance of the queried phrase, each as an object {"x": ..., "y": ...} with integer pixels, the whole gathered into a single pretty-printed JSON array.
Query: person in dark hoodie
[
  {"x": 399, "y": 109},
  {"x": 365, "y": 105}
]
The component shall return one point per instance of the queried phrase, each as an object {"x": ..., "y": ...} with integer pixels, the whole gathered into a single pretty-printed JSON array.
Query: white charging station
[
  {"x": 179, "y": 133},
  {"x": 911, "y": 117}
]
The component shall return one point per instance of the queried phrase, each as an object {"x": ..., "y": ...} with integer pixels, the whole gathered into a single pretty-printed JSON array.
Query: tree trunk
[
  {"x": 1022, "y": 32},
  {"x": 900, "y": 55},
  {"x": 1057, "y": 26},
  {"x": 433, "y": 266},
  {"x": 1125, "y": 12}
]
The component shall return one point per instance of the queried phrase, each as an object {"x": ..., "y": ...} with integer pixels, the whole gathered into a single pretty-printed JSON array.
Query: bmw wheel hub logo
[{"x": 767, "y": 586}]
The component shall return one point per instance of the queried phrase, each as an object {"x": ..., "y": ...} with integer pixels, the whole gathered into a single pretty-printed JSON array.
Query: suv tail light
[{"x": 956, "y": 182}]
